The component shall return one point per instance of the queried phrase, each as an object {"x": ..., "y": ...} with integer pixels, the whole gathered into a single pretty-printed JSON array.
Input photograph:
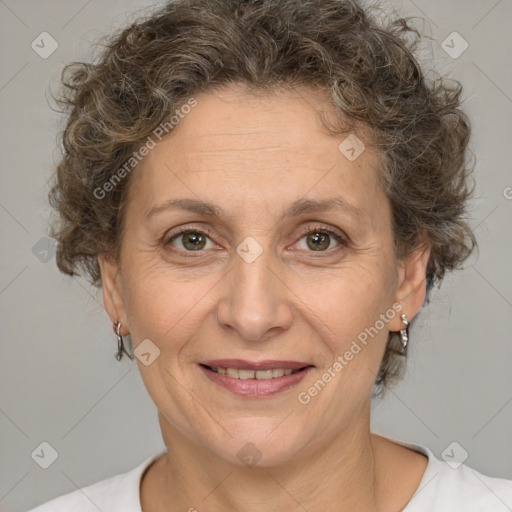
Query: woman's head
[{"x": 260, "y": 108}]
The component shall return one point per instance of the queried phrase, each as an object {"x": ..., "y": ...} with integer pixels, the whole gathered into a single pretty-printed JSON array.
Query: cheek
[
  {"x": 163, "y": 307},
  {"x": 352, "y": 299},
  {"x": 353, "y": 312}
]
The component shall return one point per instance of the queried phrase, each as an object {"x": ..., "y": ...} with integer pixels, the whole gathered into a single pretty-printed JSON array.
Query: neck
[{"x": 342, "y": 474}]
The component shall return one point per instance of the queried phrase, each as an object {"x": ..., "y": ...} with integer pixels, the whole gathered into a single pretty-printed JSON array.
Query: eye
[
  {"x": 319, "y": 239},
  {"x": 191, "y": 240}
]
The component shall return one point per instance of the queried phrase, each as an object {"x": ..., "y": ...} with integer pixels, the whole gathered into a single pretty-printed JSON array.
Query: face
[{"x": 288, "y": 266}]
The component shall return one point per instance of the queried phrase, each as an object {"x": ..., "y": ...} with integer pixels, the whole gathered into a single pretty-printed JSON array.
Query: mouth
[{"x": 255, "y": 379}]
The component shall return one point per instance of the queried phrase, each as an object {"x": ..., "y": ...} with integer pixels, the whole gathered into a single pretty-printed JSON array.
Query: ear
[
  {"x": 112, "y": 291},
  {"x": 412, "y": 284}
]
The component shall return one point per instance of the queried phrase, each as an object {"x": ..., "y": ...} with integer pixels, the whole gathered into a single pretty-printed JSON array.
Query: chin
[{"x": 260, "y": 442}]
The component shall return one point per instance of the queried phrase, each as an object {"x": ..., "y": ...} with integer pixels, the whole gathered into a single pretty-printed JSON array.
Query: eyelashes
[
  {"x": 319, "y": 230},
  {"x": 185, "y": 231},
  {"x": 326, "y": 234}
]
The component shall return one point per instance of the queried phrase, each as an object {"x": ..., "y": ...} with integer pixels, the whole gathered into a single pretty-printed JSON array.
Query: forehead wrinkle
[
  {"x": 265, "y": 145},
  {"x": 238, "y": 150},
  {"x": 275, "y": 168},
  {"x": 241, "y": 132},
  {"x": 258, "y": 160}
]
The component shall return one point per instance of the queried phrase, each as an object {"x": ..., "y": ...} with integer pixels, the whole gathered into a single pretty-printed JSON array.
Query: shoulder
[
  {"x": 463, "y": 488},
  {"x": 119, "y": 493},
  {"x": 448, "y": 487}
]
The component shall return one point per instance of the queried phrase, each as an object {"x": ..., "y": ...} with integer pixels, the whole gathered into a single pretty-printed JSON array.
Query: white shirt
[{"x": 442, "y": 489}]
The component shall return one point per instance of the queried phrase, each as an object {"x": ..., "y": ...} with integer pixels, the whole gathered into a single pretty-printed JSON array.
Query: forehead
[
  {"x": 263, "y": 126},
  {"x": 236, "y": 144}
]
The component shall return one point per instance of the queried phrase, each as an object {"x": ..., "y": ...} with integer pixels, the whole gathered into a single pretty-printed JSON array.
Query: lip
[
  {"x": 255, "y": 365},
  {"x": 254, "y": 388}
]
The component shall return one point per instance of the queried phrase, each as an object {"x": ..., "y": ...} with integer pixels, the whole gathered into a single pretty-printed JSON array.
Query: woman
[{"x": 266, "y": 192}]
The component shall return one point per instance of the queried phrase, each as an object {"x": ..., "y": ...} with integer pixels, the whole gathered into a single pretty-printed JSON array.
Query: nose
[{"x": 255, "y": 302}]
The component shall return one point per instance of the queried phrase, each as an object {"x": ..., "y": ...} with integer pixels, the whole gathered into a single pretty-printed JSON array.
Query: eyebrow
[{"x": 299, "y": 207}]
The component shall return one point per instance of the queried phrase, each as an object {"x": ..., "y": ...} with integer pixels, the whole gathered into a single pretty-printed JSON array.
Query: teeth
[
  {"x": 236, "y": 373},
  {"x": 233, "y": 373},
  {"x": 263, "y": 374}
]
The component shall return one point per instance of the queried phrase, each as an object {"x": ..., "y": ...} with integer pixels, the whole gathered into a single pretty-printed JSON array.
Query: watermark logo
[
  {"x": 44, "y": 455},
  {"x": 454, "y": 45},
  {"x": 454, "y": 455},
  {"x": 146, "y": 352},
  {"x": 44, "y": 45},
  {"x": 44, "y": 249},
  {"x": 249, "y": 454},
  {"x": 249, "y": 249},
  {"x": 352, "y": 147}
]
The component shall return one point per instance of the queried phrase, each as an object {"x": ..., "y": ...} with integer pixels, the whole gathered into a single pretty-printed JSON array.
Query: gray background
[{"x": 59, "y": 380}]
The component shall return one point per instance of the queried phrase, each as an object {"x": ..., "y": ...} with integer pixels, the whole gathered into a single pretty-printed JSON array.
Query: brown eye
[
  {"x": 190, "y": 240},
  {"x": 318, "y": 241},
  {"x": 193, "y": 241}
]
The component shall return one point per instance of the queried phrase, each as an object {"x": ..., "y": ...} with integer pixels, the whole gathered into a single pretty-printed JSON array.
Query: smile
[
  {"x": 235, "y": 373},
  {"x": 255, "y": 379}
]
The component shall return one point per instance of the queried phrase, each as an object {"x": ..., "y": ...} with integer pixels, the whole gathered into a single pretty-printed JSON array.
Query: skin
[{"x": 253, "y": 155}]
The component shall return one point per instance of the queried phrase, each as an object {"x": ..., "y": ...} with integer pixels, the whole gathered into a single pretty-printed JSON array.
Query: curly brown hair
[{"x": 365, "y": 63}]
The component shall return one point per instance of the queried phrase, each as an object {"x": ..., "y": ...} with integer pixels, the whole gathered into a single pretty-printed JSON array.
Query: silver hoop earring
[
  {"x": 404, "y": 334},
  {"x": 120, "y": 344}
]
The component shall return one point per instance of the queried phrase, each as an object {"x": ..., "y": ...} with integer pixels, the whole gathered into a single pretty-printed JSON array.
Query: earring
[
  {"x": 404, "y": 334},
  {"x": 120, "y": 344}
]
